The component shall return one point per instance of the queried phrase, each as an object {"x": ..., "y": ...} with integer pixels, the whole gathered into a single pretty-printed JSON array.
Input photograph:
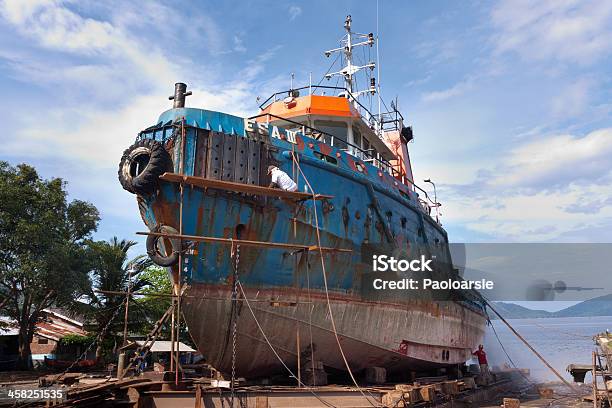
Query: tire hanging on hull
[
  {"x": 153, "y": 249},
  {"x": 142, "y": 164}
]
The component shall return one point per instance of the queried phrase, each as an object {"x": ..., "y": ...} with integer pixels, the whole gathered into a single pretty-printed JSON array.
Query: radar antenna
[{"x": 349, "y": 71}]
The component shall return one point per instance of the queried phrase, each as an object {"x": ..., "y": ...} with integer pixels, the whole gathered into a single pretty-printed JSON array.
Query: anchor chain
[{"x": 236, "y": 255}]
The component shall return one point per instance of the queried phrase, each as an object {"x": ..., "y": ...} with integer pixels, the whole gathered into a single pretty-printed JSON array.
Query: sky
[{"x": 510, "y": 101}]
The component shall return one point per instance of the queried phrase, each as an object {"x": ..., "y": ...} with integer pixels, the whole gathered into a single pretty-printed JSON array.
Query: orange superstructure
[
  {"x": 320, "y": 105},
  {"x": 399, "y": 146}
]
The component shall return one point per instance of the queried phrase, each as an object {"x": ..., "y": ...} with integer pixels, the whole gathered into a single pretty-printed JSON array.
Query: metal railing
[
  {"x": 392, "y": 117},
  {"x": 377, "y": 161},
  {"x": 382, "y": 163}
]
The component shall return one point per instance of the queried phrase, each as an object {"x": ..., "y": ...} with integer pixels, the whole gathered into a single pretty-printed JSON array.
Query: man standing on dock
[
  {"x": 484, "y": 365},
  {"x": 281, "y": 180}
]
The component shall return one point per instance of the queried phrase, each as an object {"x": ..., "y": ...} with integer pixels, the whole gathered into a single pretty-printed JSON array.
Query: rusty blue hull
[{"x": 370, "y": 213}]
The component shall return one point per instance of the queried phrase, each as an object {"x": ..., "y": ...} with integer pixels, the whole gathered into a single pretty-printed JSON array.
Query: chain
[{"x": 235, "y": 319}]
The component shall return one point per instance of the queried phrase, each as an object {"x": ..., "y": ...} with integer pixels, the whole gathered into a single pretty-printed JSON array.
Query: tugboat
[{"x": 302, "y": 259}]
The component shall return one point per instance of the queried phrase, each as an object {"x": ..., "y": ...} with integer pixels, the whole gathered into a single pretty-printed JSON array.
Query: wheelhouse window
[{"x": 337, "y": 129}]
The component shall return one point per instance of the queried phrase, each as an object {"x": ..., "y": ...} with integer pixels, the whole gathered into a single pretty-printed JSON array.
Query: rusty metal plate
[
  {"x": 215, "y": 155},
  {"x": 201, "y": 153},
  {"x": 265, "y": 161},
  {"x": 241, "y": 160},
  {"x": 229, "y": 149},
  {"x": 254, "y": 162}
]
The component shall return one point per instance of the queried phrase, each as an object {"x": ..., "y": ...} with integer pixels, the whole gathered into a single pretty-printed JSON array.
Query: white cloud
[
  {"x": 68, "y": 54},
  {"x": 565, "y": 30},
  {"x": 557, "y": 161},
  {"x": 294, "y": 12},
  {"x": 56, "y": 27},
  {"x": 542, "y": 189},
  {"x": 118, "y": 59},
  {"x": 455, "y": 90},
  {"x": 525, "y": 218}
]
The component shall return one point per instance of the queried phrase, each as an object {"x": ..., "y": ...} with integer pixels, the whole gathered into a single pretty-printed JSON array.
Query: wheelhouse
[{"x": 344, "y": 123}]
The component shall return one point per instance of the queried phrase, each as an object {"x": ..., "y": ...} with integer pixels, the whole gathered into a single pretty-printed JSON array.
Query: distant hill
[
  {"x": 512, "y": 311},
  {"x": 599, "y": 306}
]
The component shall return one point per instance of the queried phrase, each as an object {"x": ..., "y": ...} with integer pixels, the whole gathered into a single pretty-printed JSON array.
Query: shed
[{"x": 160, "y": 346}]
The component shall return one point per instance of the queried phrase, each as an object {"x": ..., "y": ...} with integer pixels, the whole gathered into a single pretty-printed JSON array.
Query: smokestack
[{"x": 180, "y": 92}]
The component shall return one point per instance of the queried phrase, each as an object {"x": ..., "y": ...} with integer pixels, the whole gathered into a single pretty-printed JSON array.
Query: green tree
[
  {"x": 159, "y": 284},
  {"x": 157, "y": 300},
  {"x": 110, "y": 274},
  {"x": 43, "y": 256}
]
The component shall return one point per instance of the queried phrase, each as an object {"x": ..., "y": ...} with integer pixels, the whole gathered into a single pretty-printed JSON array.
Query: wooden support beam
[
  {"x": 240, "y": 188},
  {"x": 244, "y": 242}
]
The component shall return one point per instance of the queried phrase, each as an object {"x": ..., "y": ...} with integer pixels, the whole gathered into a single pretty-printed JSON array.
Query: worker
[
  {"x": 482, "y": 361},
  {"x": 281, "y": 180}
]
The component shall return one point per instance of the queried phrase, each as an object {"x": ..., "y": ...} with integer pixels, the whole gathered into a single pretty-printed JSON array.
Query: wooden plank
[
  {"x": 261, "y": 244},
  {"x": 239, "y": 187}
]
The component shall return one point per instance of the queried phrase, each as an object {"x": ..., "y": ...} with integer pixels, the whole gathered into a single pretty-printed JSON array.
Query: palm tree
[{"x": 111, "y": 275}]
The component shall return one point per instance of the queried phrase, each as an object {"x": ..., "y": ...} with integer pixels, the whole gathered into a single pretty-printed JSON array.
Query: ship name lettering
[{"x": 271, "y": 130}]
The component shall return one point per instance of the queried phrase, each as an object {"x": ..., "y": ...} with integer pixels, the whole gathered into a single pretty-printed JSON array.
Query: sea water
[{"x": 561, "y": 341}]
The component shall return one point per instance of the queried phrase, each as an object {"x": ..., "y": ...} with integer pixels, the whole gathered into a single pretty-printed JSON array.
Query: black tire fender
[
  {"x": 142, "y": 164},
  {"x": 154, "y": 251}
]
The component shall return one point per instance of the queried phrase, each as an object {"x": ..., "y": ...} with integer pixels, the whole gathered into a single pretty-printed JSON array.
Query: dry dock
[{"x": 509, "y": 385}]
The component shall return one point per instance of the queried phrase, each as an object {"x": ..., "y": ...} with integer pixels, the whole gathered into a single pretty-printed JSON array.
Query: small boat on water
[{"x": 303, "y": 258}]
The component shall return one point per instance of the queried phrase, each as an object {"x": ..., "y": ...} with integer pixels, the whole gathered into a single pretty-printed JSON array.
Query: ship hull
[
  {"x": 414, "y": 336},
  {"x": 368, "y": 212}
]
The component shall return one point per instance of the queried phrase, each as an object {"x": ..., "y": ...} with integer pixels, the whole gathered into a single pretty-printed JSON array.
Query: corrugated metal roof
[
  {"x": 162, "y": 346},
  {"x": 54, "y": 326}
]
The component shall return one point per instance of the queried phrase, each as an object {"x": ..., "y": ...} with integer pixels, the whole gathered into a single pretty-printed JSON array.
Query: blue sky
[{"x": 510, "y": 100}]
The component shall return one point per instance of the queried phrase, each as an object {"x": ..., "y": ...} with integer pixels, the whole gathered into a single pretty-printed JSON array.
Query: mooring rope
[
  {"x": 542, "y": 359},
  {"x": 246, "y": 300},
  {"x": 508, "y": 355},
  {"x": 331, "y": 315}
]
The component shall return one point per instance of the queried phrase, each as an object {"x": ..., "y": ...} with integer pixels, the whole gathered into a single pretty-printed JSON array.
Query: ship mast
[{"x": 350, "y": 70}]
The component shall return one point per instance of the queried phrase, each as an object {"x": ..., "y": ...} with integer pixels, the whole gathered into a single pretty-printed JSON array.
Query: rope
[
  {"x": 275, "y": 352},
  {"x": 551, "y": 368},
  {"x": 328, "y": 69},
  {"x": 333, "y": 320},
  {"x": 508, "y": 356},
  {"x": 329, "y": 308}
]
